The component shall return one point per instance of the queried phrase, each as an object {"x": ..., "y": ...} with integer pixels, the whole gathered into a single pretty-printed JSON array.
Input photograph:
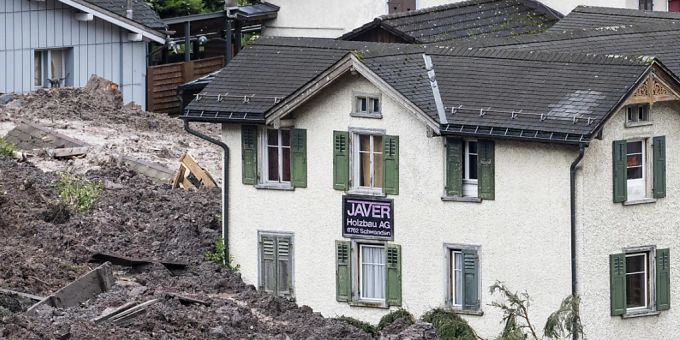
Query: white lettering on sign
[{"x": 368, "y": 209}]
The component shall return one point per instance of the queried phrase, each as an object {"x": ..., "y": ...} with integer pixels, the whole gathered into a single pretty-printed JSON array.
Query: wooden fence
[{"x": 162, "y": 81}]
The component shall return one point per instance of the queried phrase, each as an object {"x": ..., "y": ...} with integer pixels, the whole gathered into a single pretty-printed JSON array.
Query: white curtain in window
[
  {"x": 458, "y": 278},
  {"x": 57, "y": 66},
  {"x": 373, "y": 272}
]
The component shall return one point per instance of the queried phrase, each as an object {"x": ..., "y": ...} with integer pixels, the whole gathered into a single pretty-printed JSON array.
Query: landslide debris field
[{"x": 46, "y": 246}]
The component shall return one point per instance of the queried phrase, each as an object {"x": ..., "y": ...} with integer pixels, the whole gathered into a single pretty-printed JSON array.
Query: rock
[
  {"x": 419, "y": 331},
  {"x": 5, "y": 99},
  {"x": 217, "y": 333},
  {"x": 137, "y": 291}
]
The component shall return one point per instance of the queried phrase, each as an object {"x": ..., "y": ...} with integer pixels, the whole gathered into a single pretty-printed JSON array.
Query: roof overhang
[
  {"x": 349, "y": 63},
  {"x": 117, "y": 20}
]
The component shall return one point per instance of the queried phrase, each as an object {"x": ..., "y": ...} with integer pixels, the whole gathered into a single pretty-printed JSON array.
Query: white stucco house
[
  {"x": 63, "y": 42},
  {"x": 365, "y": 177}
]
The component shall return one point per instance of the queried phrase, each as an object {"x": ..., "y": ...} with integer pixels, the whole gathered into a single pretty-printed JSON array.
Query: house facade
[
  {"x": 379, "y": 176},
  {"x": 55, "y": 43}
]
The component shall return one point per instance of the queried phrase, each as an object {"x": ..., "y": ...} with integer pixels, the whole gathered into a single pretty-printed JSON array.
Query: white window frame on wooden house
[
  {"x": 636, "y": 187},
  {"x": 646, "y": 283},
  {"x": 279, "y": 181},
  {"x": 456, "y": 278},
  {"x": 44, "y": 71},
  {"x": 375, "y": 162},
  {"x": 470, "y": 169}
]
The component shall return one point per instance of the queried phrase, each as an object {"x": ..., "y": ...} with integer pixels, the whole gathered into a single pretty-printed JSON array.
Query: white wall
[
  {"x": 523, "y": 234},
  {"x": 97, "y": 47},
  {"x": 606, "y": 228}
]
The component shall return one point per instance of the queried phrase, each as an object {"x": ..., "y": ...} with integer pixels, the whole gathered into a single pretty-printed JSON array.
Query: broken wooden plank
[
  {"x": 67, "y": 152},
  {"x": 118, "y": 310},
  {"x": 132, "y": 262},
  {"x": 191, "y": 175},
  {"x": 25, "y": 295},
  {"x": 186, "y": 300},
  {"x": 129, "y": 313},
  {"x": 84, "y": 288}
]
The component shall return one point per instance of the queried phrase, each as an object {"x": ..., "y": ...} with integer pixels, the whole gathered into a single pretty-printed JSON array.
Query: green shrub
[
  {"x": 6, "y": 149},
  {"x": 449, "y": 325},
  {"x": 364, "y": 326},
  {"x": 217, "y": 256},
  {"x": 78, "y": 194},
  {"x": 390, "y": 317}
]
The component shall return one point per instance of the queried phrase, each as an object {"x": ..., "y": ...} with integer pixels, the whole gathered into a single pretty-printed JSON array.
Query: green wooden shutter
[
  {"x": 470, "y": 279},
  {"x": 343, "y": 271},
  {"x": 268, "y": 263},
  {"x": 617, "y": 283},
  {"x": 486, "y": 168},
  {"x": 249, "y": 154},
  {"x": 391, "y": 165},
  {"x": 340, "y": 160},
  {"x": 663, "y": 279},
  {"x": 298, "y": 162},
  {"x": 454, "y": 167},
  {"x": 619, "y": 165},
  {"x": 284, "y": 268},
  {"x": 393, "y": 275},
  {"x": 659, "y": 161}
]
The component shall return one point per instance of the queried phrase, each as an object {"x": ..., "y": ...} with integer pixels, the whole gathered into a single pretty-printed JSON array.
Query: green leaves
[
  {"x": 565, "y": 321},
  {"x": 217, "y": 256},
  {"x": 6, "y": 149},
  {"x": 80, "y": 195}
]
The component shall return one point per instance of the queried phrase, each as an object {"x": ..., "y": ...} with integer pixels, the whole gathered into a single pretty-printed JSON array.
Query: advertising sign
[{"x": 367, "y": 218}]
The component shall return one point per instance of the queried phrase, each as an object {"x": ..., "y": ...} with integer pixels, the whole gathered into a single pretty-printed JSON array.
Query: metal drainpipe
[
  {"x": 225, "y": 184},
  {"x": 572, "y": 189}
]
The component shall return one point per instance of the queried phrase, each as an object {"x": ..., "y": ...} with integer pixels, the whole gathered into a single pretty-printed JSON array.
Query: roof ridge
[
  {"x": 536, "y": 5},
  {"x": 625, "y": 12}
]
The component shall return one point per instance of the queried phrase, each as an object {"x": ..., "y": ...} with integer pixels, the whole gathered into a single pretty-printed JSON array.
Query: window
[
  {"x": 366, "y": 106},
  {"x": 674, "y": 5},
  {"x": 647, "y": 5},
  {"x": 640, "y": 281},
  {"x": 276, "y": 160},
  {"x": 463, "y": 282},
  {"x": 637, "y": 113},
  {"x": 639, "y": 170},
  {"x": 50, "y": 68},
  {"x": 368, "y": 273},
  {"x": 372, "y": 273},
  {"x": 469, "y": 170},
  {"x": 398, "y": 6},
  {"x": 368, "y": 162},
  {"x": 276, "y": 263},
  {"x": 635, "y": 170}
]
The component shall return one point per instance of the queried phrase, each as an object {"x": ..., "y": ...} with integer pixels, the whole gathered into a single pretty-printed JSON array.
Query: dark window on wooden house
[
  {"x": 647, "y": 5},
  {"x": 640, "y": 281},
  {"x": 398, "y": 6}
]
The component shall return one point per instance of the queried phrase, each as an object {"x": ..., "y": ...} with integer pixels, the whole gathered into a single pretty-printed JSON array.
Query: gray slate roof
[
  {"x": 503, "y": 93},
  {"x": 141, "y": 12},
  {"x": 585, "y": 17},
  {"x": 489, "y": 18}
]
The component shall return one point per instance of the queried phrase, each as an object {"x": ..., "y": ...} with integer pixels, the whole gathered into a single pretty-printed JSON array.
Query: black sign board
[{"x": 367, "y": 218}]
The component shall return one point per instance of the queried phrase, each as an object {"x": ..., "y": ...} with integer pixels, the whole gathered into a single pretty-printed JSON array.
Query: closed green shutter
[
  {"x": 284, "y": 268},
  {"x": 268, "y": 264},
  {"x": 298, "y": 162},
  {"x": 343, "y": 271},
  {"x": 470, "y": 279},
  {"x": 617, "y": 283},
  {"x": 659, "y": 146},
  {"x": 663, "y": 279},
  {"x": 391, "y": 165},
  {"x": 486, "y": 175},
  {"x": 340, "y": 160},
  {"x": 249, "y": 154},
  {"x": 619, "y": 175},
  {"x": 454, "y": 167},
  {"x": 394, "y": 275}
]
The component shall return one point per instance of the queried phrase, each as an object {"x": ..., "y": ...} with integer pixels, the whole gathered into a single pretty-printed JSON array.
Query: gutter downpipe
[
  {"x": 572, "y": 189},
  {"x": 225, "y": 184}
]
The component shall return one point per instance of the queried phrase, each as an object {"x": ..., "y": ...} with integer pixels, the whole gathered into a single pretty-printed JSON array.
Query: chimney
[{"x": 128, "y": 12}]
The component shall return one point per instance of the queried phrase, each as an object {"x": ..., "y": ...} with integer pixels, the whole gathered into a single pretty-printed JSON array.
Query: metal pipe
[
  {"x": 225, "y": 184},
  {"x": 187, "y": 41},
  {"x": 572, "y": 192}
]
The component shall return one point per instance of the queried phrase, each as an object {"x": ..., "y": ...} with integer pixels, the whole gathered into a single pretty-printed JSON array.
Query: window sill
[
  {"x": 465, "y": 311},
  {"x": 640, "y": 314},
  {"x": 369, "y": 304},
  {"x": 363, "y": 192},
  {"x": 366, "y": 115},
  {"x": 638, "y": 124},
  {"x": 275, "y": 186},
  {"x": 640, "y": 201},
  {"x": 461, "y": 199}
]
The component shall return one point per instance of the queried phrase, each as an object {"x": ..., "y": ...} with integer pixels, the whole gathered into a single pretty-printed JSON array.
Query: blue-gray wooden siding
[{"x": 27, "y": 26}]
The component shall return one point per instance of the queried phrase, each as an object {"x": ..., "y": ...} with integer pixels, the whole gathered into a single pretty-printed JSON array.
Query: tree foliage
[
  {"x": 515, "y": 307},
  {"x": 566, "y": 321},
  {"x": 176, "y": 8}
]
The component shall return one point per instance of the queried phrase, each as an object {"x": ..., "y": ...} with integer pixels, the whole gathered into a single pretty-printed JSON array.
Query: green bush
[
  {"x": 217, "y": 256},
  {"x": 449, "y": 325},
  {"x": 6, "y": 149},
  {"x": 78, "y": 194},
  {"x": 364, "y": 326},
  {"x": 390, "y": 317}
]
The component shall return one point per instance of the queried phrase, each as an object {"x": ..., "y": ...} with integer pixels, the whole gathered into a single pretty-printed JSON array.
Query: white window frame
[
  {"x": 355, "y": 161},
  {"x": 650, "y": 251},
  {"x": 452, "y": 273},
  {"x": 370, "y": 111},
  {"x": 449, "y": 249},
  {"x": 359, "y": 277},
  {"x": 46, "y": 67},
  {"x": 633, "y": 114},
  {"x": 633, "y": 185},
  {"x": 264, "y": 151},
  {"x": 646, "y": 294},
  {"x": 470, "y": 186}
]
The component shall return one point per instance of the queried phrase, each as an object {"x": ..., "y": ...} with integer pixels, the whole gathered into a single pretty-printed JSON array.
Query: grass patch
[
  {"x": 364, "y": 326},
  {"x": 449, "y": 325},
  {"x": 6, "y": 149},
  {"x": 392, "y": 316},
  {"x": 217, "y": 256},
  {"x": 80, "y": 195}
]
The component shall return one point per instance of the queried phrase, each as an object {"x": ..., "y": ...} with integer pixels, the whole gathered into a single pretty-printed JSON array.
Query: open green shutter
[
  {"x": 340, "y": 160},
  {"x": 619, "y": 175},
  {"x": 659, "y": 161},
  {"x": 486, "y": 170},
  {"x": 391, "y": 165},
  {"x": 249, "y": 154},
  {"x": 268, "y": 264},
  {"x": 663, "y": 279},
  {"x": 454, "y": 167},
  {"x": 343, "y": 271},
  {"x": 393, "y": 275},
  {"x": 470, "y": 279},
  {"x": 298, "y": 162},
  {"x": 617, "y": 283}
]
